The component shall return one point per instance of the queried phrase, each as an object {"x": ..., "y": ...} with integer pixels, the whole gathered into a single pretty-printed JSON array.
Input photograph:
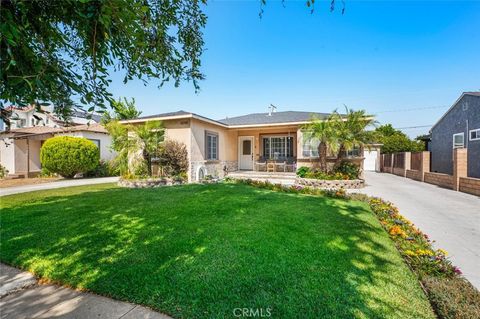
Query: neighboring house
[
  {"x": 29, "y": 116},
  {"x": 459, "y": 127},
  {"x": 244, "y": 142},
  {"x": 20, "y": 147}
]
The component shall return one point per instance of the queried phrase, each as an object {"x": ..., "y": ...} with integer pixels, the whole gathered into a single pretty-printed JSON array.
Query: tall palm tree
[
  {"x": 130, "y": 139},
  {"x": 351, "y": 129},
  {"x": 323, "y": 131}
]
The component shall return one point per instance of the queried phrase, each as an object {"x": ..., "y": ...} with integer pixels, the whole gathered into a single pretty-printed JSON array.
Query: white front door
[
  {"x": 370, "y": 162},
  {"x": 245, "y": 152}
]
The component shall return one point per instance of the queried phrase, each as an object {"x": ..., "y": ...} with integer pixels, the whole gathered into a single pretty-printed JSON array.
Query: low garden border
[
  {"x": 148, "y": 182},
  {"x": 328, "y": 184}
]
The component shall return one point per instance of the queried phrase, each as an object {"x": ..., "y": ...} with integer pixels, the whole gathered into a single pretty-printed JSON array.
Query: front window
[
  {"x": 354, "y": 152},
  {"x": 96, "y": 142},
  {"x": 211, "y": 146},
  {"x": 458, "y": 140},
  {"x": 475, "y": 134},
  {"x": 310, "y": 148},
  {"x": 277, "y": 147}
]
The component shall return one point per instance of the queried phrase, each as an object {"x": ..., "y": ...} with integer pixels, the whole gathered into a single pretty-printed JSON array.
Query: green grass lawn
[{"x": 200, "y": 251}]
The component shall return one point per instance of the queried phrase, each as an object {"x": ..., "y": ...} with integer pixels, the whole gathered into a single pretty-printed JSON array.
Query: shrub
[
  {"x": 46, "y": 173},
  {"x": 3, "y": 171},
  {"x": 302, "y": 171},
  {"x": 350, "y": 169},
  {"x": 326, "y": 176},
  {"x": 453, "y": 298},
  {"x": 68, "y": 156},
  {"x": 173, "y": 158},
  {"x": 104, "y": 169}
]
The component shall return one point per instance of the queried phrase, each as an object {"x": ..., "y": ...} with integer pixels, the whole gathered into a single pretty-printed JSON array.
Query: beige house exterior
[
  {"x": 20, "y": 148},
  {"x": 243, "y": 143}
]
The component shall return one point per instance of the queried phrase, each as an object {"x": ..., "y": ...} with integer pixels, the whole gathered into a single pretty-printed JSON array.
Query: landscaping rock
[{"x": 329, "y": 184}]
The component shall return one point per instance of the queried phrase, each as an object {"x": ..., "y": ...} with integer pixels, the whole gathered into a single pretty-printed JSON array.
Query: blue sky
[{"x": 380, "y": 56}]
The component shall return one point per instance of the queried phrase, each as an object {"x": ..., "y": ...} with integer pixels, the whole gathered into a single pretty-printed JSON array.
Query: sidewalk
[
  {"x": 59, "y": 184},
  {"x": 22, "y": 297}
]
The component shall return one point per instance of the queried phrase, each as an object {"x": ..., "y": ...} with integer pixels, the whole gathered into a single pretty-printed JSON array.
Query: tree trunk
[
  {"x": 322, "y": 154},
  {"x": 148, "y": 161},
  {"x": 340, "y": 155}
]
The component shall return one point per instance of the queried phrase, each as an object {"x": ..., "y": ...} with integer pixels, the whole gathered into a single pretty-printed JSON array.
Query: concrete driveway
[
  {"x": 451, "y": 219},
  {"x": 58, "y": 184}
]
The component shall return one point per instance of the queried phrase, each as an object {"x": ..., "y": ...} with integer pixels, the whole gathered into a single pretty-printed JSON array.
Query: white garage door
[{"x": 370, "y": 160}]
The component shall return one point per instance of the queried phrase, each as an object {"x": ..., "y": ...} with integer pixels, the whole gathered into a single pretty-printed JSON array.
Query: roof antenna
[{"x": 271, "y": 109}]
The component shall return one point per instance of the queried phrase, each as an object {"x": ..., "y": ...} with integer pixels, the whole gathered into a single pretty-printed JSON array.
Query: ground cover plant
[{"x": 200, "y": 251}]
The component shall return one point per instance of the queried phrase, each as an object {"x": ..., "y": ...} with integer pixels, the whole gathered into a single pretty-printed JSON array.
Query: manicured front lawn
[{"x": 200, "y": 251}]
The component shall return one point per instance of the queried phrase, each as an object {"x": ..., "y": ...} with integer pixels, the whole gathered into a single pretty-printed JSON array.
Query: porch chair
[
  {"x": 291, "y": 166},
  {"x": 281, "y": 165},
  {"x": 260, "y": 164},
  {"x": 270, "y": 166}
]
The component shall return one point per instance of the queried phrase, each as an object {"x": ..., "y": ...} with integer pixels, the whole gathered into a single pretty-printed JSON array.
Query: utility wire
[
  {"x": 412, "y": 109},
  {"x": 411, "y": 127}
]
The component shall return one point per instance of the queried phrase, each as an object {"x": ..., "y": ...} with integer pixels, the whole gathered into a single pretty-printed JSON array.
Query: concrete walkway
[
  {"x": 450, "y": 218},
  {"x": 58, "y": 184},
  {"x": 21, "y": 297}
]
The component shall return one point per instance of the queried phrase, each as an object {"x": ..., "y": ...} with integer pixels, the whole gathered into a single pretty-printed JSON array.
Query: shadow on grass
[{"x": 204, "y": 250}]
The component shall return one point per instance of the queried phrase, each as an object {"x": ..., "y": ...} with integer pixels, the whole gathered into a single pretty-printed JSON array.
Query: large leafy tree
[
  {"x": 63, "y": 51},
  {"x": 394, "y": 140},
  {"x": 122, "y": 110}
]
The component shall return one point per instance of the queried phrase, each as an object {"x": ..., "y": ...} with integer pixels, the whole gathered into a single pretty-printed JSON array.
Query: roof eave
[{"x": 451, "y": 107}]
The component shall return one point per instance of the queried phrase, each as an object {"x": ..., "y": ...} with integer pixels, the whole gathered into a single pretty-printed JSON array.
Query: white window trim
[
  {"x": 463, "y": 142},
  {"x": 270, "y": 143},
  {"x": 308, "y": 142},
  {"x": 470, "y": 134},
  {"x": 207, "y": 150}
]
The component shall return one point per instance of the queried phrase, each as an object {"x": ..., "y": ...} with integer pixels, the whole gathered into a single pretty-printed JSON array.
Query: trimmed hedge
[{"x": 68, "y": 156}]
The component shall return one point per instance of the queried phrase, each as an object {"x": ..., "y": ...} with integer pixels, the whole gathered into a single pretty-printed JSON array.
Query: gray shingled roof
[
  {"x": 473, "y": 93},
  {"x": 177, "y": 113},
  {"x": 276, "y": 117}
]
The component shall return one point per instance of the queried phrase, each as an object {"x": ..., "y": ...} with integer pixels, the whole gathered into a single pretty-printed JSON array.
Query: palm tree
[
  {"x": 323, "y": 131},
  {"x": 128, "y": 139},
  {"x": 351, "y": 128}
]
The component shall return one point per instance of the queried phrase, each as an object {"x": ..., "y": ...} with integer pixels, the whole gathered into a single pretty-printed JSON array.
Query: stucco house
[
  {"x": 248, "y": 142},
  {"x": 30, "y": 116},
  {"x": 20, "y": 147},
  {"x": 459, "y": 127}
]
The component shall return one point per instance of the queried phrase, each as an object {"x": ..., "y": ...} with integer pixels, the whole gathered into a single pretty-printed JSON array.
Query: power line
[
  {"x": 412, "y": 127},
  {"x": 413, "y": 109}
]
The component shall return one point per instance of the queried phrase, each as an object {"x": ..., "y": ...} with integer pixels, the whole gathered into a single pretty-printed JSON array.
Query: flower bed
[
  {"x": 327, "y": 184},
  {"x": 297, "y": 189},
  {"x": 148, "y": 182},
  {"x": 450, "y": 294}
]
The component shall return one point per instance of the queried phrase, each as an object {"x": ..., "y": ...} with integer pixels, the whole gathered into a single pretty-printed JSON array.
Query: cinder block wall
[
  {"x": 469, "y": 185},
  {"x": 439, "y": 179}
]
